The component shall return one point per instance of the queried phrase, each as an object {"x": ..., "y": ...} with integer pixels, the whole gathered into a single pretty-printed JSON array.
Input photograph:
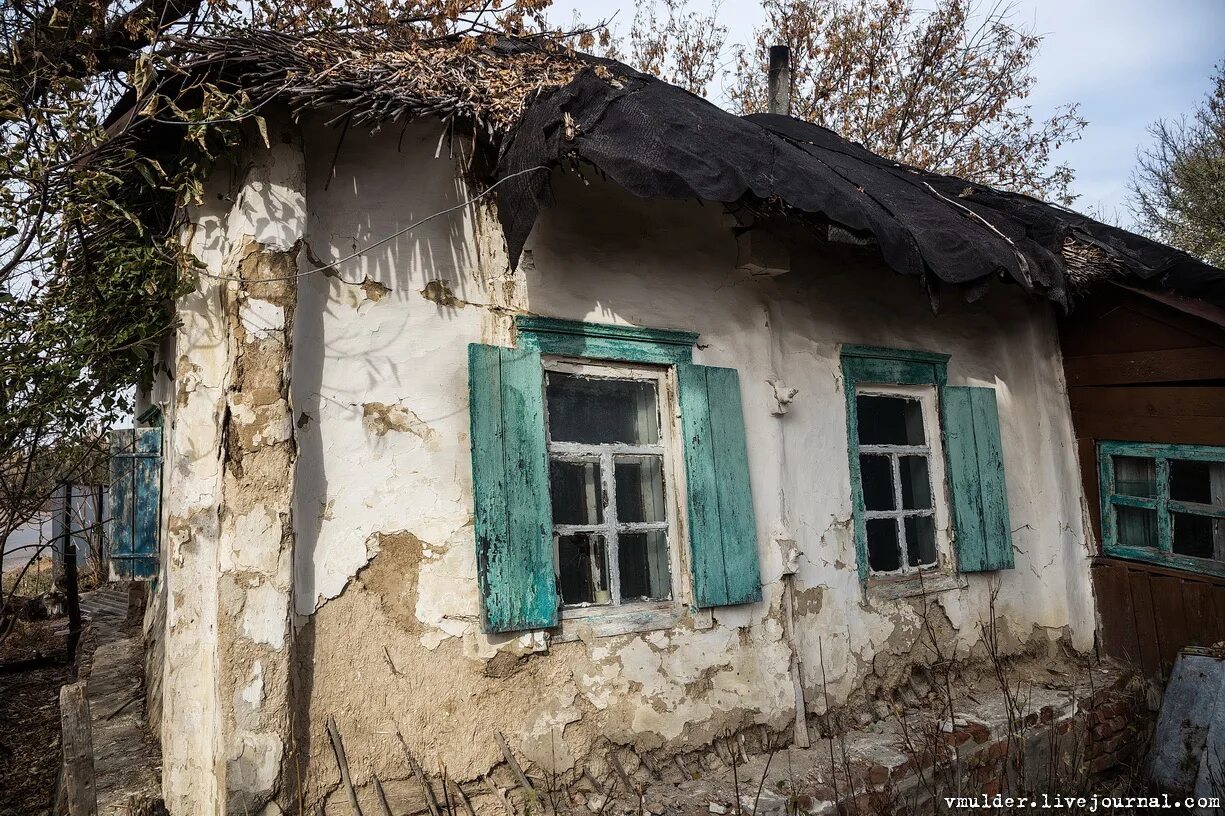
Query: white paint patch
[
  {"x": 257, "y": 764},
  {"x": 253, "y": 693},
  {"x": 264, "y": 615},
  {"x": 249, "y": 546},
  {"x": 261, "y": 318}
]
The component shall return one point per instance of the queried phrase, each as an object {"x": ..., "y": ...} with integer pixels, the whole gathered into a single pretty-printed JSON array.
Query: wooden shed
[{"x": 1146, "y": 381}]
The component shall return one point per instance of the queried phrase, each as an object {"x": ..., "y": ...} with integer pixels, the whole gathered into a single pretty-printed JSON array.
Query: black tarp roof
[{"x": 659, "y": 141}]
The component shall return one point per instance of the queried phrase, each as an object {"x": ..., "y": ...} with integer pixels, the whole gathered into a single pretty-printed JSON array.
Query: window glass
[
  {"x": 1135, "y": 476},
  {"x": 1200, "y": 482},
  {"x": 599, "y": 410},
  {"x": 1137, "y": 527},
  {"x": 883, "y": 552},
  {"x": 877, "y": 475},
  {"x": 921, "y": 540},
  {"x": 583, "y": 567},
  {"x": 889, "y": 420},
  {"x": 640, "y": 488},
  {"x": 916, "y": 488},
  {"x": 1194, "y": 535},
  {"x": 620, "y": 552},
  {"x": 645, "y": 573},
  {"x": 578, "y": 493}
]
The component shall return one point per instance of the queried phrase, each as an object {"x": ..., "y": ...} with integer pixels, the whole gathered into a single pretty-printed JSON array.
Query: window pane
[
  {"x": 1196, "y": 535},
  {"x": 876, "y": 474},
  {"x": 889, "y": 421},
  {"x": 920, "y": 541},
  {"x": 601, "y": 411},
  {"x": 916, "y": 487},
  {"x": 645, "y": 575},
  {"x": 640, "y": 488},
  {"x": 1202, "y": 482},
  {"x": 578, "y": 493},
  {"x": 883, "y": 552},
  {"x": 1136, "y": 527},
  {"x": 1135, "y": 476},
  {"x": 582, "y": 563}
]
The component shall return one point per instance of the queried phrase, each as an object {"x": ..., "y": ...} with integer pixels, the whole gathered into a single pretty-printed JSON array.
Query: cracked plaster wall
[
  {"x": 386, "y": 572},
  {"x": 387, "y": 636},
  {"x": 221, "y": 614}
]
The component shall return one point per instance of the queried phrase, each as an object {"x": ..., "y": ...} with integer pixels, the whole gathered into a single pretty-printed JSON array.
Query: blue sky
[{"x": 1127, "y": 62}]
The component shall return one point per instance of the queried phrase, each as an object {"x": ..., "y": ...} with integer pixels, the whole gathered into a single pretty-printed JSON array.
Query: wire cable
[{"x": 379, "y": 242}]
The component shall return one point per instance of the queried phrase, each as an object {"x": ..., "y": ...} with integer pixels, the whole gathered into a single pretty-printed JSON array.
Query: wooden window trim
[
  {"x": 883, "y": 371},
  {"x": 1163, "y": 555}
]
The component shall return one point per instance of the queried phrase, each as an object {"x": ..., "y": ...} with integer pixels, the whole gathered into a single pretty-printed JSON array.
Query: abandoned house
[{"x": 525, "y": 395}]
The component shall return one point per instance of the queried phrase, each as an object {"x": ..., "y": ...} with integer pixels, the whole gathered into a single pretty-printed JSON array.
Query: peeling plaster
[{"x": 382, "y": 503}]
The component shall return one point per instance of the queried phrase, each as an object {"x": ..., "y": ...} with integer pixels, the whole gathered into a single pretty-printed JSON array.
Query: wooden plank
[
  {"x": 78, "y": 748},
  {"x": 488, "y": 480},
  {"x": 1202, "y": 626},
  {"x": 529, "y": 504},
  {"x": 1123, "y": 324},
  {"x": 1148, "y": 642},
  {"x": 1168, "y": 365},
  {"x": 1151, "y": 400},
  {"x": 122, "y": 501},
  {"x": 146, "y": 515},
  {"x": 742, "y": 575},
  {"x": 513, "y": 516},
  {"x": 997, "y": 527},
  {"x": 961, "y": 451},
  {"x": 705, "y": 537},
  {"x": 1170, "y": 617},
  {"x": 1218, "y": 604},
  {"x": 1175, "y": 430},
  {"x": 1086, "y": 452},
  {"x": 1117, "y": 611}
]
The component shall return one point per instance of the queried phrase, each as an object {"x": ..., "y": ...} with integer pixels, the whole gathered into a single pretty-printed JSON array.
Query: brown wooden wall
[
  {"x": 1142, "y": 368},
  {"x": 1147, "y": 613}
]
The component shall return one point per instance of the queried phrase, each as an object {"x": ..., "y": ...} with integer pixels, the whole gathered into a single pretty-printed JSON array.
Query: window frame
[
  {"x": 1161, "y": 453},
  {"x": 933, "y": 452},
  {"x": 668, "y": 410}
]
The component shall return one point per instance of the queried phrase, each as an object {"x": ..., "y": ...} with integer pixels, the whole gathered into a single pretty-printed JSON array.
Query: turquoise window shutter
[
  {"x": 135, "y": 502},
  {"x": 976, "y": 478},
  {"x": 510, "y": 472},
  {"x": 722, "y": 531}
]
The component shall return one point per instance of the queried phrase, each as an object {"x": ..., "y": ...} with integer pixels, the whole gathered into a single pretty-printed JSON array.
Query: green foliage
[{"x": 1178, "y": 189}]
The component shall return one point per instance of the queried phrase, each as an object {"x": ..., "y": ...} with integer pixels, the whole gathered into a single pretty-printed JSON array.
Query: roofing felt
[
  {"x": 543, "y": 107},
  {"x": 659, "y": 141}
]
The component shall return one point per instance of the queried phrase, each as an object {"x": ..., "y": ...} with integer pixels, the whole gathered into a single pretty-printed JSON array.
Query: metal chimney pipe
[{"x": 779, "y": 77}]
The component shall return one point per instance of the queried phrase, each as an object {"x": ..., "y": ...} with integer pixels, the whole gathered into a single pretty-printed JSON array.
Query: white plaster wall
[{"x": 380, "y": 387}]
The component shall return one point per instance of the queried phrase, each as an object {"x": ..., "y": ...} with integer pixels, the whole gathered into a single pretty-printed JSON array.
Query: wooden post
[
  {"x": 72, "y": 590},
  {"x": 79, "y": 788}
]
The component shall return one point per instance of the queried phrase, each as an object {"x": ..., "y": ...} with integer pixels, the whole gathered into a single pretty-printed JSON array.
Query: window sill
[
  {"x": 582, "y": 624},
  {"x": 1203, "y": 566},
  {"x": 892, "y": 589}
]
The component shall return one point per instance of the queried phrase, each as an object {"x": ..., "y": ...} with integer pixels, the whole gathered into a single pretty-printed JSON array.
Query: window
[
  {"x": 895, "y": 473},
  {"x": 589, "y": 442},
  {"x": 1164, "y": 503},
  {"x": 927, "y": 471},
  {"x": 608, "y": 477}
]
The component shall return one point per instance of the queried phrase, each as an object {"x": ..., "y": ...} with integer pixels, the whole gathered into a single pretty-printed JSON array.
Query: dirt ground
[{"x": 30, "y": 739}]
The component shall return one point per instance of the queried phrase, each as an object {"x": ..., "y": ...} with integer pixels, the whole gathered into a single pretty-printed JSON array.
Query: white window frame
[
  {"x": 617, "y": 617},
  {"x": 928, "y": 398}
]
